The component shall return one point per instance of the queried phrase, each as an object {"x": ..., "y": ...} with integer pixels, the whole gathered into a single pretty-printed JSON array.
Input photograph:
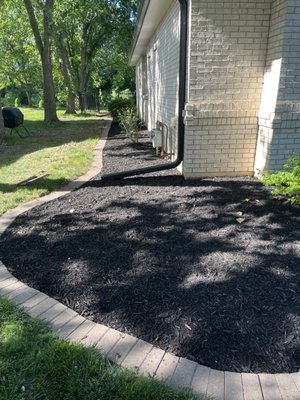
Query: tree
[
  {"x": 67, "y": 74},
  {"x": 22, "y": 68},
  {"x": 83, "y": 27},
  {"x": 2, "y": 130},
  {"x": 90, "y": 30},
  {"x": 44, "y": 48},
  {"x": 111, "y": 67},
  {"x": 91, "y": 40}
]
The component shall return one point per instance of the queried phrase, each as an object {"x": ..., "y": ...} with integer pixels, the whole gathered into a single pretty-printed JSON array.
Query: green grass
[
  {"x": 36, "y": 365},
  {"x": 286, "y": 183},
  {"x": 62, "y": 151}
]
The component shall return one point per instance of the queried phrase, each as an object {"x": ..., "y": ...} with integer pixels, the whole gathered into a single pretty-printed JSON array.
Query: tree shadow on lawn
[
  {"x": 43, "y": 135},
  {"x": 171, "y": 265},
  {"x": 41, "y": 184}
]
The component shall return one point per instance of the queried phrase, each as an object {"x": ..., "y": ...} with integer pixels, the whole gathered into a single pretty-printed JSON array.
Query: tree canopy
[{"x": 67, "y": 50}]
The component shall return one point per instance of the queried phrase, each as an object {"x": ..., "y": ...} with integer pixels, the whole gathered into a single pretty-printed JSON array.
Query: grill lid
[{"x": 13, "y": 117}]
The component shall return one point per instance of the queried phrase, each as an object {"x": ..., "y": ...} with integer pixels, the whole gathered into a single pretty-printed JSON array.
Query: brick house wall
[
  {"x": 279, "y": 117},
  {"x": 158, "y": 76},
  {"x": 242, "y": 113},
  {"x": 227, "y": 60}
]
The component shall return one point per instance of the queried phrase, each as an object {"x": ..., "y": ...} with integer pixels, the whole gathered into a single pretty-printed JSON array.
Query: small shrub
[
  {"x": 129, "y": 122},
  {"x": 286, "y": 182},
  {"x": 118, "y": 106},
  {"x": 17, "y": 102},
  {"x": 41, "y": 104}
]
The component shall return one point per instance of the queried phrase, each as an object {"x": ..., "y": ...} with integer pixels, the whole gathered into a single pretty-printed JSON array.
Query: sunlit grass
[
  {"x": 35, "y": 364},
  {"x": 37, "y": 114},
  {"x": 61, "y": 151}
]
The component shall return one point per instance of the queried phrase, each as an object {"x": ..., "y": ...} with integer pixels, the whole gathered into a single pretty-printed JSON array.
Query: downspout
[{"x": 181, "y": 105}]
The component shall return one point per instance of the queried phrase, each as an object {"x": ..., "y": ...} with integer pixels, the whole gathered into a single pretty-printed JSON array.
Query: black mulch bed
[{"x": 167, "y": 261}]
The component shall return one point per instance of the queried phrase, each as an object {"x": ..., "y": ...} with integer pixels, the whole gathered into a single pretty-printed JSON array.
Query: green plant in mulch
[
  {"x": 129, "y": 122},
  {"x": 118, "y": 106},
  {"x": 286, "y": 182},
  {"x": 35, "y": 364},
  {"x": 123, "y": 111}
]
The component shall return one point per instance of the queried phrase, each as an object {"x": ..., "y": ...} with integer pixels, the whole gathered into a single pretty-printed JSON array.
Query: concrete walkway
[{"x": 131, "y": 352}]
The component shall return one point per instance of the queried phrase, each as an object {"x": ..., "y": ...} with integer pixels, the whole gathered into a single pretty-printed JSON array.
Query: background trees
[
  {"x": 1, "y": 124},
  {"x": 72, "y": 51},
  {"x": 21, "y": 68}
]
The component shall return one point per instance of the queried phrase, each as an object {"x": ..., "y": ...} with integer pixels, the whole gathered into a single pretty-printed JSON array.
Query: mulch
[{"x": 206, "y": 269}]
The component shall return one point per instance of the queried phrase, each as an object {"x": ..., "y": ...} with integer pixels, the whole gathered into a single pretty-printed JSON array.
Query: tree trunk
[
  {"x": 84, "y": 80},
  {"x": 49, "y": 92},
  {"x": 71, "y": 106},
  {"x": 84, "y": 70},
  {"x": 66, "y": 72},
  {"x": 83, "y": 103},
  {"x": 2, "y": 130},
  {"x": 97, "y": 95},
  {"x": 45, "y": 54},
  {"x": 29, "y": 97}
]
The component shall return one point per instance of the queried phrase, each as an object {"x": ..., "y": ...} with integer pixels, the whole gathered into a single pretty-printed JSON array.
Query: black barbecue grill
[{"x": 13, "y": 118}]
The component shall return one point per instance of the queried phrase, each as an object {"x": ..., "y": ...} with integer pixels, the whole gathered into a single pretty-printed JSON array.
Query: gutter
[
  {"x": 141, "y": 18},
  {"x": 181, "y": 94}
]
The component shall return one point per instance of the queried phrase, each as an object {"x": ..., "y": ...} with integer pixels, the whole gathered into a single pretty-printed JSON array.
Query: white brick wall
[
  {"x": 228, "y": 54},
  {"x": 139, "y": 92},
  {"x": 159, "y": 102},
  {"x": 279, "y": 123},
  {"x": 142, "y": 89},
  {"x": 228, "y": 47},
  {"x": 243, "y": 89},
  {"x": 271, "y": 84}
]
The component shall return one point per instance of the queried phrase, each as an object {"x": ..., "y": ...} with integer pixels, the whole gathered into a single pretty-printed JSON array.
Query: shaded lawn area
[
  {"x": 206, "y": 269},
  {"x": 35, "y": 364},
  {"x": 62, "y": 151}
]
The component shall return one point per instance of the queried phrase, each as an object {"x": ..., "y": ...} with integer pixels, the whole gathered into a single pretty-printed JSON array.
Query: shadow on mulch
[{"x": 208, "y": 270}]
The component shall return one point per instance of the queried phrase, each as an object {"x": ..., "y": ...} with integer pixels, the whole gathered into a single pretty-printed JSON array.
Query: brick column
[{"x": 279, "y": 117}]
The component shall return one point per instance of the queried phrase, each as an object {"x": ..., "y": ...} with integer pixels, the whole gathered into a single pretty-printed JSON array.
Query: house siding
[
  {"x": 159, "y": 73},
  {"x": 229, "y": 41},
  {"x": 279, "y": 117},
  {"x": 141, "y": 89},
  {"x": 242, "y": 112},
  {"x": 139, "y": 94}
]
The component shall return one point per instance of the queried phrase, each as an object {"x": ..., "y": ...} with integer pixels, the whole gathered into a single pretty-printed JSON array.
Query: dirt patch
[{"x": 208, "y": 269}]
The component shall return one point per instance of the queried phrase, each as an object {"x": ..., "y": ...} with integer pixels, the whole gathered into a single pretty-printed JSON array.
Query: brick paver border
[{"x": 129, "y": 351}]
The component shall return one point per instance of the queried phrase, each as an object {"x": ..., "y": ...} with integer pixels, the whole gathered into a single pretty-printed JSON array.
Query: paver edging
[{"x": 127, "y": 350}]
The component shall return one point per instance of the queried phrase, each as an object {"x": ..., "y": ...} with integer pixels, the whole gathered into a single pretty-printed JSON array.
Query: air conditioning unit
[{"x": 156, "y": 137}]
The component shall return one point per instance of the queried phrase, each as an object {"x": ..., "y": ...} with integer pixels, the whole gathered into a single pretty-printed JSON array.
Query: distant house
[{"x": 241, "y": 110}]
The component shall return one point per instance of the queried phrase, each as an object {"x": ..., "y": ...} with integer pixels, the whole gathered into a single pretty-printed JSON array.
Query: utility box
[{"x": 156, "y": 137}]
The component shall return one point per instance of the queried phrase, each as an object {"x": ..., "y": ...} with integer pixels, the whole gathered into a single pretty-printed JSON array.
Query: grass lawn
[
  {"x": 35, "y": 364},
  {"x": 62, "y": 151}
]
